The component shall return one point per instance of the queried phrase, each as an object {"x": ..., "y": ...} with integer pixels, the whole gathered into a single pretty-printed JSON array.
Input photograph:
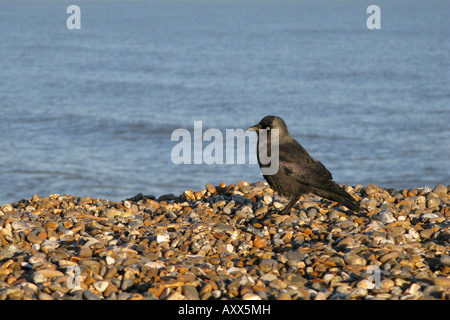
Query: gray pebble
[
  {"x": 89, "y": 295},
  {"x": 445, "y": 260},
  {"x": 190, "y": 292},
  {"x": 9, "y": 251}
]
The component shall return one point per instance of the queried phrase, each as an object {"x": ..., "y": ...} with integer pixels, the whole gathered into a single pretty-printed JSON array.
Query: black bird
[{"x": 298, "y": 172}]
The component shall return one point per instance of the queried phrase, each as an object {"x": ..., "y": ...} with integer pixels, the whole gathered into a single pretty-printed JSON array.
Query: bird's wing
[{"x": 298, "y": 164}]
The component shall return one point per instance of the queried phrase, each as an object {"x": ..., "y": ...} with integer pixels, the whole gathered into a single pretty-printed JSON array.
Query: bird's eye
[{"x": 268, "y": 128}]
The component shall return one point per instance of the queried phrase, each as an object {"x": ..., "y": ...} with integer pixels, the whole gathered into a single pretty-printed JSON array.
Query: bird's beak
[{"x": 256, "y": 127}]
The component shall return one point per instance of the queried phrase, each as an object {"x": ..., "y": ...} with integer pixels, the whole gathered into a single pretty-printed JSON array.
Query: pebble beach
[{"x": 228, "y": 242}]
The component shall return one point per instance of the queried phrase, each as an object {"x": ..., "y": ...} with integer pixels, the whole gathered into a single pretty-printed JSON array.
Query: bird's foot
[{"x": 272, "y": 211}]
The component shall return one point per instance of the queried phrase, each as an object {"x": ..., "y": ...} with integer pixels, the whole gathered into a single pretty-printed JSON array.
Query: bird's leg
[{"x": 289, "y": 206}]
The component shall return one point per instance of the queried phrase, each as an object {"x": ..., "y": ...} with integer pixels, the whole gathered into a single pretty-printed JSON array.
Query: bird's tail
[{"x": 336, "y": 193}]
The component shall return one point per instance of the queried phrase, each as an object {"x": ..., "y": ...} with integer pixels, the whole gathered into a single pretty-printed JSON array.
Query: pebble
[
  {"x": 32, "y": 238},
  {"x": 100, "y": 286},
  {"x": 50, "y": 273},
  {"x": 9, "y": 251},
  {"x": 7, "y": 208},
  {"x": 190, "y": 292},
  {"x": 445, "y": 260},
  {"x": 440, "y": 189},
  {"x": 387, "y": 217},
  {"x": 427, "y": 233},
  {"x": 357, "y": 293},
  {"x": 442, "y": 281},
  {"x": 354, "y": 259},
  {"x": 89, "y": 295},
  {"x": 251, "y": 296},
  {"x": 227, "y": 242}
]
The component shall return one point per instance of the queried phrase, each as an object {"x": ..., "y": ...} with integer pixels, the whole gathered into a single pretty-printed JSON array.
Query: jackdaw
[{"x": 298, "y": 173}]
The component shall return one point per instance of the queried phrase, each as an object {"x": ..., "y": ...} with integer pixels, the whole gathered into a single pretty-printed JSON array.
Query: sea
[{"x": 91, "y": 96}]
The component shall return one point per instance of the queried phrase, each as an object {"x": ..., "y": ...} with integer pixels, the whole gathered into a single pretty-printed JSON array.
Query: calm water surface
[{"x": 91, "y": 111}]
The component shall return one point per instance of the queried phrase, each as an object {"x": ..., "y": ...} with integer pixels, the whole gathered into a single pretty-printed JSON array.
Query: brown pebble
[
  {"x": 259, "y": 243},
  {"x": 50, "y": 273},
  {"x": 241, "y": 184},
  {"x": 34, "y": 238},
  {"x": 51, "y": 225},
  {"x": 427, "y": 233},
  {"x": 387, "y": 256},
  {"x": 43, "y": 235},
  {"x": 189, "y": 195},
  {"x": 442, "y": 281},
  {"x": 110, "y": 289},
  {"x": 111, "y": 273},
  {"x": 85, "y": 253},
  {"x": 284, "y": 296},
  {"x": 211, "y": 188}
]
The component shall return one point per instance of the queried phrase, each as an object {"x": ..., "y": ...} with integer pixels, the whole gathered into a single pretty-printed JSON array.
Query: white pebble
[
  {"x": 251, "y": 296},
  {"x": 110, "y": 260},
  {"x": 154, "y": 265},
  {"x": 162, "y": 237},
  {"x": 386, "y": 217},
  {"x": 229, "y": 247},
  {"x": 100, "y": 286}
]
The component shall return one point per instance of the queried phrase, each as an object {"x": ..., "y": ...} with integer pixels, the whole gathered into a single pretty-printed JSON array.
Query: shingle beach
[{"x": 228, "y": 242}]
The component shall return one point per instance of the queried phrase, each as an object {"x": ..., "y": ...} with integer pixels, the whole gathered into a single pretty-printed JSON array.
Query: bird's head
[{"x": 270, "y": 123}]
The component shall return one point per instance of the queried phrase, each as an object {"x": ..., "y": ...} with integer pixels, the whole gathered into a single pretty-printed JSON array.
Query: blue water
[{"x": 91, "y": 111}]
